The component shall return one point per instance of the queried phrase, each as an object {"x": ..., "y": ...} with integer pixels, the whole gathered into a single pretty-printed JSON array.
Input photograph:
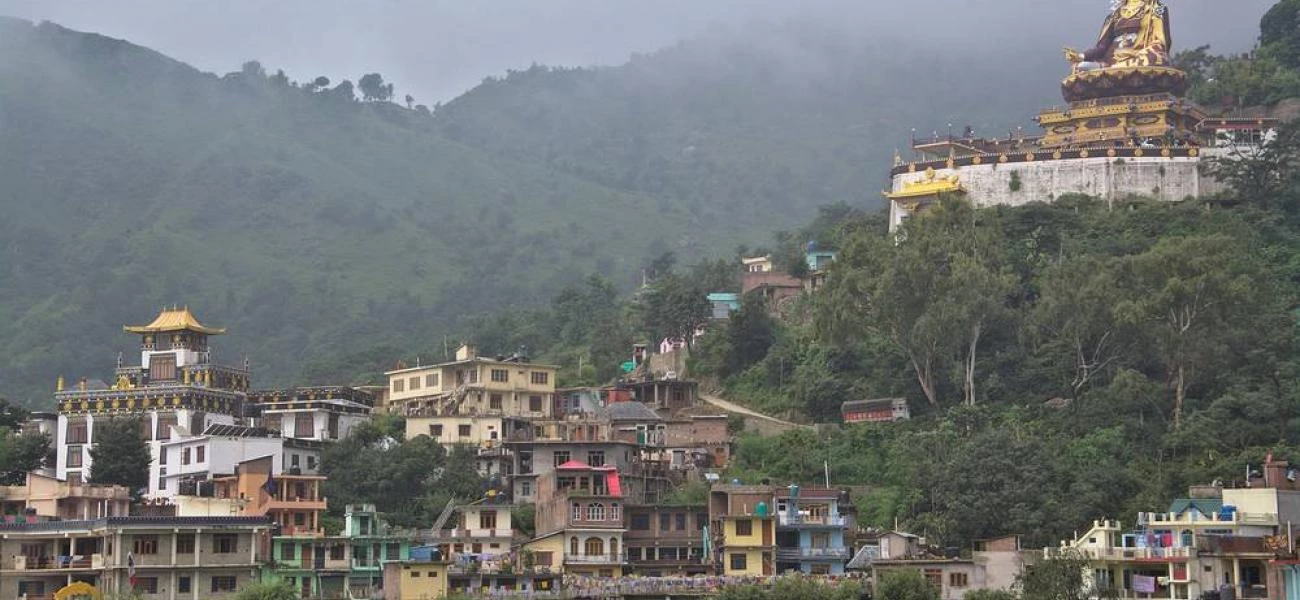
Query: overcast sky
[{"x": 437, "y": 49}]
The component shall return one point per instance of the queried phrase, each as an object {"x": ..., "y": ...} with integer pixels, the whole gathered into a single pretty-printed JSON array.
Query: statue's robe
[{"x": 1142, "y": 40}]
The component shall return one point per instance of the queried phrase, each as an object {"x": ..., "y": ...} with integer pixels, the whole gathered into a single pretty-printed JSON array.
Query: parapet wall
[{"x": 1168, "y": 179}]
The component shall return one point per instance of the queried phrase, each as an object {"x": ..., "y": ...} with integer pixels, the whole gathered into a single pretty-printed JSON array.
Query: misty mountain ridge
[{"x": 323, "y": 231}]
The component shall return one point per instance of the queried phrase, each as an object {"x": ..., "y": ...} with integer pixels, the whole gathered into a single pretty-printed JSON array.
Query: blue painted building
[
  {"x": 811, "y": 530},
  {"x": 724, "y": 303}
]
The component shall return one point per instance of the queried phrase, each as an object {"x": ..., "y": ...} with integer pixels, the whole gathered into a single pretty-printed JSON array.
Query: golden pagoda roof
[
  {"x": 174, "y": 319},
  {"x": 932, "y": 185}
]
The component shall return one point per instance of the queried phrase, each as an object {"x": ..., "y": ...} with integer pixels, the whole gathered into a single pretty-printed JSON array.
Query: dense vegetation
[{"x": 334, "y": 231}]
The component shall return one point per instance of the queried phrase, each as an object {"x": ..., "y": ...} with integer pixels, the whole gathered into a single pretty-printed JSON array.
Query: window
[
  {"x": 199, "y": 454},
  {"x": 494, "y": 402},
  {"x": 573, "y": 545},
  {"x": 183, "y": 584},
  {"x": 487, "y": 519},
  {"x": 594, "y": 547},
  {"x": 576, "y": 512},
  {"x": 743, "y": 527},
  {"x": 399, "y": 386},
  {"x": 288, "y": 551},
  {"x": 303, "y": 423},
  {"x": 596, "y": 512},
  {"x": 31, "y": 588},
  {"x": 271, "y": 422},
  {"x": 957, "y": 580},
  {"x": 463, "y": 430},
  {"x": 165, "y": 427},
  {"x": 596, "y": 458},
  {"x": 336, "y": 552},
  {"x": 185, "y": 456},
  {"x": 223, "y": 583},
  {"x": 500, "y": 375},
  {"x": 185, "y": 543},
  {"x": 162, "y": 367},
  {"x": 934, "y": 577},
  {"x": 535, "y": 404},
  {"x": 414, "y": 383},
  {"x": 431, "y": 380},
  {"x": 667, "y": 554},
  {"x": 739, "y": 562},
  {"x": 640, "y": 523},
  {"x": 544, "y": 559},
  {"x": 77, "y": 434},
  {"x": 561, "y": 457},
  {"x": 74, "y": 456},
  {"x": 295, "y": 461},
  {"x": 224, "y": 543},
  {"x": 311, "y": 461},
  {"x": 525, "y": 488},
  {"x": 701, "y": 520},
  {"x": 665, "y": 521},
  {"x": 148, "y": 585},
  {"x": 145, "y": 544},
  {"x": 634, "y": 554},
  {"x": 680, "y": 518},
  {"x": 540, "y": 378},
  {"x": 435, "y": 430},
  {"x": 393, "y": 551}
]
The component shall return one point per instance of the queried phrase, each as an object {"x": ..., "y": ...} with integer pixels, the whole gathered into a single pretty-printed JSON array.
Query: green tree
[
  {"x": 750, "y": 332},
  {"x": 674, "y": 308},
  {"x": 120, "y": 455},
  {"x": 905, "y": 584},
  {"x": 373, "y": 88},
  {"x": 1263, "y": 175},
  {"x": 279, "y": 590},
  {"x": 1279, "y": 33},
  {"x": 1073, "y": 322},
  {"x": 20, "y": 454},
  {"x": 795, "y": 588},
  {"x": 1194, "y": 299},
  {"x": 1057, "y": 578},
  {"x": 987, "y": 594}
]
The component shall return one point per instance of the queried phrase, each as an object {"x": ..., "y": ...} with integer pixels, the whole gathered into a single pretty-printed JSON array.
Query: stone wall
[{"x": 1109, "y": 179}]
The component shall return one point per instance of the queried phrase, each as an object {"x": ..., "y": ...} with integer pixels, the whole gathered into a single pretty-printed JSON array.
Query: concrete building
[
  {"x": 482, "y": 530},
  {"x": 667, "y": 540},
  {"x": 188, "y": 462},
  {"x": 293, "y": 502},
  {"x": 762, "y": 277},
  {"x": 326, "y": 413},
  {"x": 1226, "y": 540},
  {"x": 175, "y": 390},
  {"x": 46, "y": 496},
  {"x": 811, "y": 527},
  {"x": 743, "y": 529},
  {"x": 992, "y": 565},
  {"x": 878, "y": 410},
  {"x": 579, "y": 521},
  {"x": 171, "y": 558},
  {"x": 349, "y": 565}
]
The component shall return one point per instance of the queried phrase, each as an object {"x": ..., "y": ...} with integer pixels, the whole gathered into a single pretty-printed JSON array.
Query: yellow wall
[
  {"x": 753, "y": 562},
  {"x": 553, "y": 544},
  {"x": 480, "y": 429},
  {"x": 430, "y": 584},
  {"x": 1260, "y": 501},
  {"x": 731, "y": 538},
  {"x": 519, "y": 379}
]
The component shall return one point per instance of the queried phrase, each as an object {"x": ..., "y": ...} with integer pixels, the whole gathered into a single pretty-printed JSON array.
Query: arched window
[
  {"x": 573, "y": 545},
  {"x": 615, "y": 513},
  {"x": 596, "y": 512},
  {"x": 595, "y": 546},
  {"x": 613, "y": 546}
]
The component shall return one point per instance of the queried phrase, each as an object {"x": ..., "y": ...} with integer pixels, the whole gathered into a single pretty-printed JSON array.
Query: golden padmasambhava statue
[{"x": 1136, "y": 34}]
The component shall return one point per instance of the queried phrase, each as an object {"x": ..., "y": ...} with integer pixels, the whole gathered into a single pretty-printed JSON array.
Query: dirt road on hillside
[{"x": 764, "y": 424}]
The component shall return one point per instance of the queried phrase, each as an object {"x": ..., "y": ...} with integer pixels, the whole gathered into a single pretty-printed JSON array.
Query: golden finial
[
  {"x": 898, "y": 158},
  {"x": 58, "y": 386}
]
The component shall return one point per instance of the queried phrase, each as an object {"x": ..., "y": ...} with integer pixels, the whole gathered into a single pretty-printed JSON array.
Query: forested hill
[{"x": 325, "y": 231}]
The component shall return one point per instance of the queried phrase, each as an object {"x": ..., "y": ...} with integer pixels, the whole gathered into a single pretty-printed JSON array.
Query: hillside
[{"x": 319, "y": 229}]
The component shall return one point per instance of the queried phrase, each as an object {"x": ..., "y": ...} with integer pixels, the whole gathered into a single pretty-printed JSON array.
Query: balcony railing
[
  {"x": 596, "y": 559},
  {"x": 813, "y": 553},
  {"x": 1121, "y": 554},
  {"x": 787, "y": 520},
  {"x": 1238, "y": 518},
  {"x": 44, "y": 563}
]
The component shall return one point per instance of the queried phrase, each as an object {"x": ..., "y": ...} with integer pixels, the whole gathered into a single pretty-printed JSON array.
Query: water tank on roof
[{"x": 761, "y": 509}]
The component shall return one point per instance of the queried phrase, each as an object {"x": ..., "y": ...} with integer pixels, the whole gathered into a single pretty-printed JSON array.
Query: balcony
[
  {"x": 1217, "y": 519},
  {"x": 1126, "y": 554},
  {"x": 595, "y": 559},
  {"x": 813, "y": 553},
  {"x": 88, "y": 562},
  {"x": 787, "y": 520},
  {"x": 366, "y": 563}
]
